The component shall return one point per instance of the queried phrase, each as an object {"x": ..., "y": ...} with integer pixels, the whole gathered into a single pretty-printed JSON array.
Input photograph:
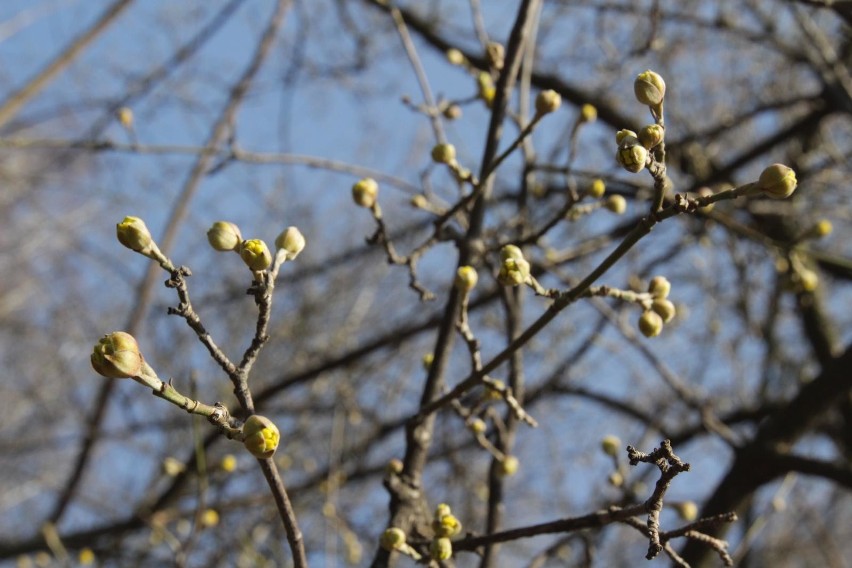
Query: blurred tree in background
[{"x": 265, "y": 113}]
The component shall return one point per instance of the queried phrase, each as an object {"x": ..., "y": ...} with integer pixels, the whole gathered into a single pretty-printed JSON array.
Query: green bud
[
  {"x": 514, "y": 272},
  {"x": 611, "y": 445},
  {"x": 133, "y": 234},
  {"x": 588, "y": 113},
  {"x": 650, "y": 324},
  {"x": 466, "y": 278},
  {"x": 441, "y": 549},
  {"x": 664, "y": 308},
  {"x": 365, "y": 192},
  {"x": 478, "y": 426},
  {"x": 292, "y": 241},
  {"x": 446, "y": 525},
  {"x": 117, "y": 356},
  {"x": 623, "y": 135},
  {"x": 444, "y": 153},
  {"x": 687, "y": 510},
  {"x": 547, "y": 101},
  {"x": 597, "y": 189},
  {"x": 392, "y": 539},
  {"x": 510, "y": 251},
  {"x": 659, "y": 287},
  {"x": 260, "y": 436},
  {"x": 631, "y": 156},
  {"x": 651, "y": 135},
  {"x": 224, "y": 236},
  {"x": 455, "y": 57},
  {"x": 509, "y": 466},
  {"x": 255, "y": 254},
  {"x": 777, "y": 181},
  {"x": 616, "y": 203},
  {"x": 485, "y": 87},
  {"x": 649, "y": 88}
]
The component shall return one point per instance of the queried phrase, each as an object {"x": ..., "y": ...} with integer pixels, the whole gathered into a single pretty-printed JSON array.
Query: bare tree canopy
[{"x": 517, "y": 283}]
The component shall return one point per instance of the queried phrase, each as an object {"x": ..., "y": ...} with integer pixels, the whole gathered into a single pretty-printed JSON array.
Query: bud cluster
[
  {"x": 514, "y": 268},
  {"x": 660, "y": 310}
]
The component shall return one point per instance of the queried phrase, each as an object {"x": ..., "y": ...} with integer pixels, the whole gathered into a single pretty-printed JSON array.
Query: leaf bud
[
  {"x": 365, "y": 192},
  {"x": 611, "y": 445},
  {"x": 547, "y": 101},
  {"x": 292, "y": 241},
  {"x": 616, "y": 203},
  {"x": 649, "y": 88},
  {"x": 444, "y": 153},
  {"x": 441, "y": 549},
  {"x": 596, "y": 189},
  {"x": 508, "y": 466},
  {"x": 224, "y": 236},
  {"x": 466, "y": 278},
  {"x": 255, "y": 254},
  {"x": 588, "y": 113},
  {"x": 260, "y": 436},
  {"x": 777, "y": 181},
  {"x": 650, "y": 324},
  {"x": 651, "y": 135},
  {"x": 116, "y": 356},
  {"x": 664, "y": 308},
  {"x": 659, "y": 287},
  {"x": 134, "y": 234},
  {"x": 392, "y": 539}
]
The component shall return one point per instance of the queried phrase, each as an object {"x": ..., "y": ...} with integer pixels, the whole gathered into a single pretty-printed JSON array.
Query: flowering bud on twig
[
  {"x": 610, "y": 445},
  {"x": 292, "y": 241},
  {"x": 260, "y": 436},
  {"x": 224, "y": 236},
  {"x": 255, "y": 254},
  {"x": 650, "y": 324},
  {"x": 117, "y": 356},
  {"x": 134, "y": 234},
  {"x": 466, "y": 278},
  {"x": 777, "y": 181},
  {"x": 365, "y": 192},
  {"x": 547, "y": 101},
  {"x": 649, "y": 88},
  {"x": 444, "y": 153},
  {"x": 588, "y": 113}
]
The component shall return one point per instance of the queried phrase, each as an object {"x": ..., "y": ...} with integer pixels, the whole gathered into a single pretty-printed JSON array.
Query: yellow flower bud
[
  {"x": 616, "y": 203},
  {"x": 493, "y": 393},
  {"x": 623, "y": 135},
  {"x": 485, "y": 87},
  {"x": 292, "y": 241},
  {"x": 687, "y": 510},
  {"x": 823, "y": 228},
  {"x": 172, "y": 466},
  {"x": 597, "y": 189},
  {"x": 86, "y": 557},
  {"x": 427, "y": 361},
  {"x": 659, "y": 287},
  {"x": 255, "y": 254},
  {"x": 209, "y": 518},
  {"x": 260, "y": 436},
  {"x": 392, "y": 539},
  {"x": 224, "y": 236},
  {"x": 588, "y": 113},
  {"x": 650, "y": 324},
  {"x": 514, "y": 272},
  {"x": 495, "y": 54},
  {"x": 133, "y": 234},
  {"x": 228, "y": 463},
  {"x": 651, "y": 135},
  {"x": 446, "y": 525},
  {"x": 456, "y": 57},
  {"x": 478, "y": 426},
  {"x": 125, "y": 117},
  {"x": 441, "y": 549},
  {"x": 365, "y": 192},
  {"x": 466, "y": 278},
  {"x": 632, "y": 156},
  {"x": 117, "y": 356},
  {"x": 616, "y": 479},
  {"x": 611, "y": 445},
  {"x": 664, "y": 308},
  {"x": 777, "y": 181},
  {"x": 547, "y": 101},
  {"x": 649, "y": 88},
  {"x": 394, "y": 467},
  {"x": 509, "y": 466},
  {"x": 444, "y": 153},
  {"x": 453, "y": 112},
  {"x": 808, "y": 280}
]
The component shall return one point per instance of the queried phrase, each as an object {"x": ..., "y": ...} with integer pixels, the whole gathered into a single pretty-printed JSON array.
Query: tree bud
[
  {"x": 365, "y": 192},
  {"x": 611, "y": 445},
  {"x": 446, "y": 525},
  {"x": 292, "y": 241},
  {"x": 596, "y": 189},
  {"x": 485, "y": 88},
  {"x": 392, "y": 539},
  {"x": 117, "y": 356},
  {"x": 616, "y": 203},
  {"x": 455, "y": 57},
  {"x": 441, "y": 549},
  {"x": 466, "y": 278},
  {"x": 649, "y": 88},
  {"x": 632, "y": 156},
  {"x": 650, "y": 324},
  {"x": 453, "y": 112},
  {"x": 209, "y": 518},
  {"x": 514, "y": 272},
  {"x": 651, "y": 135},
  {"x": 547, "y": 101},
  {"x": 624, "y": 134},
  {"x": 659, "y": 287},
  {"x": 495, "y": 54},
  {"x": 255, "y": 254},
  {"x": 125, "y": 117},
  {"x": 260, "y": 436},
  {"x": 664, "y": 308},
  {"x": 478, "y": 426},
  {"x": 444, "y": 153},
  {"x": 133, "y": 234},
  {"x": 777, "y": 181},
  {"x": 588, "y": 113},
  {"x": 687, "y": 510},
  {"x": 224, "y": 236},
  {"x": 509, "y": 466}
]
